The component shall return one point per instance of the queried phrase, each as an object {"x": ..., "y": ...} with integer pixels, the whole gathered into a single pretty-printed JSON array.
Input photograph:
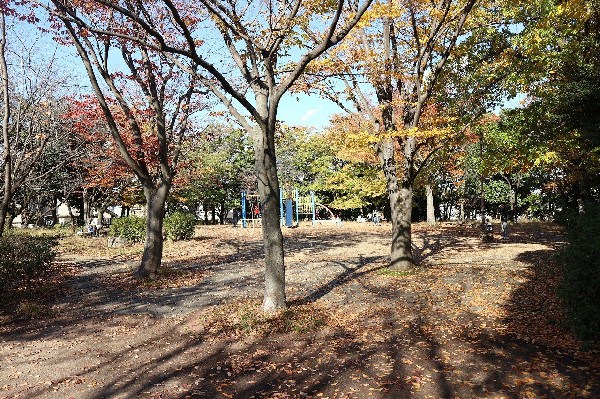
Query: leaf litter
[{"x": 474, "y": 320}]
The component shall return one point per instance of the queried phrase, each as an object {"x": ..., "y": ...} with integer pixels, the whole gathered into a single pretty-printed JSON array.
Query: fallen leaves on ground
[{"x": 476, "y": 320}]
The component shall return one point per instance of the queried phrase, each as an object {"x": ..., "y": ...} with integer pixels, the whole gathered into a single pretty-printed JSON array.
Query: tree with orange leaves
[
  {"x": 146, "y": 102},
  {"x": 389, "y": 73},
  {"x": 247, "y": 53},
  {"x": 104, "y": 174}
]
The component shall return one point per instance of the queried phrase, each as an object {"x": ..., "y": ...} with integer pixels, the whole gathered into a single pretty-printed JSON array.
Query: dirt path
[{"x": 477, "y": 321}]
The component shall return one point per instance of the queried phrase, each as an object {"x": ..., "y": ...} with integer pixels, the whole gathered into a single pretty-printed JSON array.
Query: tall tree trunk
[
  {"x": 400, "y": 195},
  {"x": 268, "y": 191},
  {"x": 10, "y": 218},
  {"x": 402, "y": 258},
  {"x": 54, "y": 210},
  {"x": 223, "y": 213},
  {"x": 153, "y": 245},
  {"x": 6, "y": 156},
  {"x": 430, "y": 205},
  {"x": 73, "y": 219},
  {"x": 398, "y": 252},
  {"x": 86, "y": 207},
  {"x": 513, "y": 201}
]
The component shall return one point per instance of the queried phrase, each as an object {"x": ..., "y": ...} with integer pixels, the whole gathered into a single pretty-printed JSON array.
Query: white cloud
[{"x": 309, "y": 113}]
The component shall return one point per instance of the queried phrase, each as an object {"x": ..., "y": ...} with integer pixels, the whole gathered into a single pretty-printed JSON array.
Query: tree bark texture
[
  {"x": 401, "y": 256},
  {"x": 153, "y": 245},
  {"x": 87, "y": 218},
  {"x": 401, "y": 209},
  {"x": 430, "y": 205},
  {"x": 268, "y": 191},
  {"x": 6, "y": 156}
]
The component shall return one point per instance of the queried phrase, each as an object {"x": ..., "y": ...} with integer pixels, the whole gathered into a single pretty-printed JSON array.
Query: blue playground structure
[{"x": 292, "y": 208}]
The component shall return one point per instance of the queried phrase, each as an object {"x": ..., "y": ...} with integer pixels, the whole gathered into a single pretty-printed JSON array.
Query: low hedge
[
  {"x": 177, "y": 226},
  {"x": 180, "y": 226},
  {"x": 133, "y": 228},
  {"x": 25, "y": 259}
]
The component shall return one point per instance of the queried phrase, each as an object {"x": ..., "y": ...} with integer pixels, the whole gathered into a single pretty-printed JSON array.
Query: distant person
[
  {"x": 256, "y": 211},
  {"x": 504, "y": 216},
  {"x": 489, "y": 228},
  {"x": 376, "y": 217},
  {"x": 235, "y": 218}
]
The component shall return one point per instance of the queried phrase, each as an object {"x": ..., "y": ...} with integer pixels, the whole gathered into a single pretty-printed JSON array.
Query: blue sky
[
  {"x": 295, "y": 109},
  {"x": 305, "y": 110}
]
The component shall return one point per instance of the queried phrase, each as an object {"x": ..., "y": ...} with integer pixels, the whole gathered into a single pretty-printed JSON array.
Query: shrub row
[
  {"x": 133, "y": 228},
  {"x": 180, "y": 226},
  {"x": 177, "y": 226},
  {"x": 580, "y": 259},
  {"x": 24, "y": 258}
]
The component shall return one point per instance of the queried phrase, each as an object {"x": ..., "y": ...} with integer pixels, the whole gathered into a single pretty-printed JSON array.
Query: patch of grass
[
  {"x": 247, "y": 319},
  {"x": 303, "y": 322},
  {"x": 32, "y": 310},
  {"x": 396, "y": 273}
]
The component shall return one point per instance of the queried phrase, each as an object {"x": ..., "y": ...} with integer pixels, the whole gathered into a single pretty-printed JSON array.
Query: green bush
[
  {"x": 25, "y": 258},
  {"x": 180, "y": 226},
  {"x": 133, "y": 228},
  {"x": 580, "y": 285}
]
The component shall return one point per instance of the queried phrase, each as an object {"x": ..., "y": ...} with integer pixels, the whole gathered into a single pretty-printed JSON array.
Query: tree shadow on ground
[
  {"x": 414, "y": 340},
  {"x": 392, "y": 357}
]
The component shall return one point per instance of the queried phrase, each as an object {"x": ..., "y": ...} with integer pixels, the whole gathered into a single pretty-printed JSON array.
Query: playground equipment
[
  {"x": 251, "y": 210},
  {"x": 292, "y": 208}
]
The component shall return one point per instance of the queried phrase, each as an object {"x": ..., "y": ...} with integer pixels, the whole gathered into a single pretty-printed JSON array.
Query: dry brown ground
[{"x": 475, "y": 321}]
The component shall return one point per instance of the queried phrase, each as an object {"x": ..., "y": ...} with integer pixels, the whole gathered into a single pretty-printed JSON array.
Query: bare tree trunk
[
  {"x": 223, "y": 213},
  {"x": 402, "y": 258},
  {"x": 73, "y": 219},
  {"x": 54, "y": 210},
  {"x": 400, "y": 196},
  {"x": 430, "y": 205},
  {"x": 86, "y": 207},
  {"x": 268, "y": 191},
  {"x": 10, "y": 218},
  {"x": 205, "y": 210},
  {"x": 6, "y": 158},
  {"x": 153, "y": 245}
]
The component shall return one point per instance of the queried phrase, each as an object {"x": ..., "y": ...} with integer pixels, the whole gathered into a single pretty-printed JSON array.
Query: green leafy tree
[
  {"x": 352, "y": 180},
  {"x": 560, "y": 47},
  {"x": 218, "y": 166}
]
